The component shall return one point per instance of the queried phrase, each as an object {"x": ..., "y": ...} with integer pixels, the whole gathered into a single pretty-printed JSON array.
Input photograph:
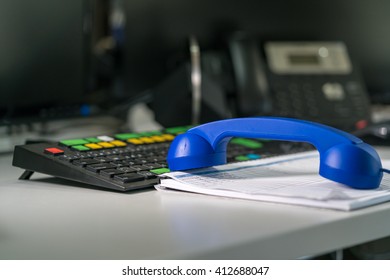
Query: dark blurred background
[{"x": 65, "y": 59}]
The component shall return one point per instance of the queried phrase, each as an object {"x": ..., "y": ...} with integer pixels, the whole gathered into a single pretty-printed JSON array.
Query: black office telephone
[
  {"x": 309, "y": 80},
  {"x": 314, "y": 81}
]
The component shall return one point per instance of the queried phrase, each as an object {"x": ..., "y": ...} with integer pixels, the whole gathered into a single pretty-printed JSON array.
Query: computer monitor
[
  {"x": 45, "y": 60},
  {"x": 157, "y": 32}
]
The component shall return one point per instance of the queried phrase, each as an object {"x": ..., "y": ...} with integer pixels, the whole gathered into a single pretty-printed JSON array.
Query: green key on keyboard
[
  {"x": 159, "y": 171},
  {"x": 80, "y": 148},
  {"x": 241, "y": 158},
  {"x": 247, "y": 143},
  {"x": 93, "y": 140},
  {"x": 151, "y": 133},
  {"x": 125, "y": 136},
  {"x": 178, "y": 129},
  {"x": 73, "y": 142}
]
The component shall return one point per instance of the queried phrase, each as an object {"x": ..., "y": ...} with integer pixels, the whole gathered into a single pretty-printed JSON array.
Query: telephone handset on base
[{"x": 344, "y": 158}]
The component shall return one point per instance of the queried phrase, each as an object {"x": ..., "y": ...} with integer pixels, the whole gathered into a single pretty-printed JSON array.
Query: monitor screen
[{"x": 44, "y": 60}]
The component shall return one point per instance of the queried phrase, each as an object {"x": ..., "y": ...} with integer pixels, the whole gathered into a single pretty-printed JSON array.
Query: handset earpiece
[{"x": 344, "y": 158}]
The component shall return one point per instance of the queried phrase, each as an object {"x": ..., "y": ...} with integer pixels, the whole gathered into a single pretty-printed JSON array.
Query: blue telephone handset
[{"x": 344, "y": 158}]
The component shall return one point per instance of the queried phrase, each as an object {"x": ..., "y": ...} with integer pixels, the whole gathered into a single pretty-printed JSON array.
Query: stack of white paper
[{"x": 291, "y": 179}]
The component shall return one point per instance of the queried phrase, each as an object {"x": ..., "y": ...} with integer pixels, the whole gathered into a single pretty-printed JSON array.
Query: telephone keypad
[{"x": 318, "y": 98}]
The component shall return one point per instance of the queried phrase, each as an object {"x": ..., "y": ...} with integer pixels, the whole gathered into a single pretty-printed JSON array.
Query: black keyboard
[{"x": 128, "y": 161}]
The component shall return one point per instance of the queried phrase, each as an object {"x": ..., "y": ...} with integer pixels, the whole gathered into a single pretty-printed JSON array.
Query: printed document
[{"x": 291, "y": 179}]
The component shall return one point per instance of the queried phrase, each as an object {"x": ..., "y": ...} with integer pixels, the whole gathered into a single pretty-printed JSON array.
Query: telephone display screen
[{"x": 299, "y": 59}]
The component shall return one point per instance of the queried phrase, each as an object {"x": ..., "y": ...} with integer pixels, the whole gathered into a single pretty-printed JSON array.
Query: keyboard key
[
  {"x": 253, "y": 156},
  {"x": 126, "y": 136},
  {"x": 108, "y": 173},
  {"x": 105, "y": 138},
  {"x": 68, "y": 157},
  {"x": 139, "y": 167},
  {"x": 98, "y": 167},
  {"x": 177, "y": 130},
  {"x": 152, "y": 165},
  {"x": 103, "y": 159},
  {"x": 118, "y": 143},
  {"x": 84, "y": 162},
  {"x": 92, "y": 154},
  {"x": 150, "y": 133},
  {"x": 147, "y": 174},
  {"x": 168, "y": 137},
  {"x": 54, "y": 151},
  {"x": 241, "y": 158},
  {"x": 159, "y": 171},
  {"x": 93, "y": 140},
  {"x": 106, "y": 145},
  {"x": 159, "y": 159},
  {"x": 248, "y": 143},
  {"x": 158, "y": 138},
  {"x": 126, "y": 169},
  {"x": 119, "y": 164},
  {"x": 130, "y": 162},
  {"x": 129, "y": 177},
  {"x": 73, "y": 142},
  {"x": 116, "y": 157},
  {"x": 146, "y": 140},
  {"x": 80, "y": 148},
  {"x": 93, "y": 146},
  {"x": 135, "y": 141}
]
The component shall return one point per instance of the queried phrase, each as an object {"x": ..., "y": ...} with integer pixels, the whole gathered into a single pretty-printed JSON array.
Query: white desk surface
[{"x": 48, "y": 219}]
